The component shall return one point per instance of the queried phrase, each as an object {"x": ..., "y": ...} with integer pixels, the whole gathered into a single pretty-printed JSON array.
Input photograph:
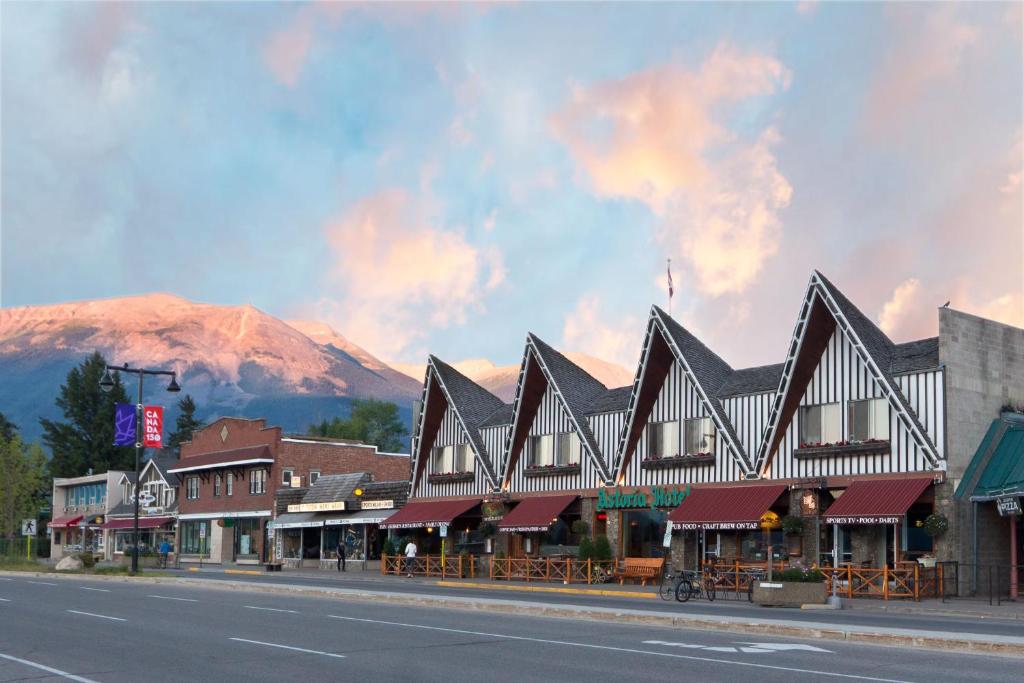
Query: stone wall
[{"x": 984, "y": 370}]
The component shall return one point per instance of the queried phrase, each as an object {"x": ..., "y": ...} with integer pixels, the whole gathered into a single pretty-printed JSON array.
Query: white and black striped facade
[{"x": 836, "y": 356}]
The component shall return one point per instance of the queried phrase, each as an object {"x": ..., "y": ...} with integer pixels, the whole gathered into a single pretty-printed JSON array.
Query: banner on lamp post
[
  {"x": 153, "y": 426},
  {"x": 124, "y": 424}
]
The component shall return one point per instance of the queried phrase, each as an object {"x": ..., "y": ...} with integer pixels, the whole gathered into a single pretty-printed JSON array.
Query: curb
[
  {"x": 546, "y": 589},
  {"x": 981, "y": 644}
]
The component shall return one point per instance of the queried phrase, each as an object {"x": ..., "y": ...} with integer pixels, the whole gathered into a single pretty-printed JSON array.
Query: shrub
[
  {"x": 500, "y": 555},
  {"x": 799, "y": 575},
  {"x": 389, "y": 548},
  {"x": 602, "y": 549},
  {"x": 586, "y": 551},
  {"x": 580, "y": 528},
  {"x": 792, "y": 525},
  {"x": 935, "y": 525},
  {"x": 488, "y": 529},
  {"x": 88, "y": 560}
]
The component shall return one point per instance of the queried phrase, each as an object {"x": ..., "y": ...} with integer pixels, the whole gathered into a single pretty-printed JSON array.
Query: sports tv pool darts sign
[{"x": 152, "y": 425}]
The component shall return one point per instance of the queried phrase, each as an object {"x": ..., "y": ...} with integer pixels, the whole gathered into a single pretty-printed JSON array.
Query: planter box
[
  {"x": 678, "y": 461},
  {"x": 551, "y": 471},
  {"x": 874, "y": 448},
  {"x": 456, "y": 478},
  {"x": 789, "y": 594}
]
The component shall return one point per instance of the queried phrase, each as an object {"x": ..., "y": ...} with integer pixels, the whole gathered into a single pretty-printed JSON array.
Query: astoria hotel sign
[{"x": 659, "y": 497}]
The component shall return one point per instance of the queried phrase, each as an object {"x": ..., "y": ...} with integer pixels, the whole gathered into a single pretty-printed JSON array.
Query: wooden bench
[{"x": 643, "y": 568}]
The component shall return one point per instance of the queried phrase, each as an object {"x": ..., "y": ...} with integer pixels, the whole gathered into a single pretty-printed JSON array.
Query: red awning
[
  {"x": 144, "y": 523},
  {"x": 428, "y": 514},
  {"x": 62, "y": 522},
  {"x": 535, "y": 514},
  {"x": 731, "y": 507},
  {"x": 876, "y": 501}
]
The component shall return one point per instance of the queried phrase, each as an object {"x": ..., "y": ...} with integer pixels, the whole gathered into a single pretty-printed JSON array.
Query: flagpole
[{"x": 669, "y": 271}]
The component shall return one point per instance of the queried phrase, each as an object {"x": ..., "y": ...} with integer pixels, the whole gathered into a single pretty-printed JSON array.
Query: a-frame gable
[
  {"x": 667, "y": 343},
  {"x": 545, "y": 369},
  {"x": 444, "y": 390},
  {"x": 824, "y": 310}
]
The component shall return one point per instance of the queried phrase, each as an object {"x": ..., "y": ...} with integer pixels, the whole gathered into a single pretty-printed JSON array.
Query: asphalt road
[
  {"x": 111, "y": 631},
  {"x": 721, "y": 607}
]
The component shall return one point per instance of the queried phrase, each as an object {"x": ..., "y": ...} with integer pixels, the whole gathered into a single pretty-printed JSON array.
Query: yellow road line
[
  {"x": 547, "y": 589},
  {"x": 252, "y": 572}
]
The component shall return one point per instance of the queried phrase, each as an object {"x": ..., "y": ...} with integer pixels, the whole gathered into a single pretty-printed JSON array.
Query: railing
[
  {"x": 559, "y": 569},
  {"x": 994, "y": 582},
  {"x": 738, "y": 576},
  {"x": 885, "y": 583},
  {"x": 429, "y": 565}
]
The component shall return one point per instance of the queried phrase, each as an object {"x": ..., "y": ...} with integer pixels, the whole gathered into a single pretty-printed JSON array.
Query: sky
[{"x": 445, "y": 178}]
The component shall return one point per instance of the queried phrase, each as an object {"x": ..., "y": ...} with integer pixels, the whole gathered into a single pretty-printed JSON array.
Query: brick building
[{"x": 230, "y": 472}]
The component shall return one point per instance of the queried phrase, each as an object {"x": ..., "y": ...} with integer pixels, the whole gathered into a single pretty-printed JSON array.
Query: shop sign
[
  {"x": 863, "y": 520},
  {"x": 770, "y": 520},
  {"x": 1008, "y": 506},
  {"x": 378, "y": 504},
  {"x": 658, "y": 498},
  {"x": 317, "y": 507},
  {"x": 492, "y": 510}
]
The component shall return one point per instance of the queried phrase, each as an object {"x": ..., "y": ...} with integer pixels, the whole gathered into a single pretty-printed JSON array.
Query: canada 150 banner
[{"x": 152, "y": 425}]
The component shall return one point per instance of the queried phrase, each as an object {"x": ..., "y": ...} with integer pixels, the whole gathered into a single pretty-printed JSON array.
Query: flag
[
  {"x": 670, "y": 290},
  {"x": 153, "y": 421},
  {"x": 124, "y": 424}
]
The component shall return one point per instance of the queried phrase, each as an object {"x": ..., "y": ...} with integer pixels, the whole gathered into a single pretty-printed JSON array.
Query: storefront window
[
  {"x": 643, "y": 531},
  {"x": 754, "y": 545},
  {"x": 247, "y": 533},
  {"x": 191, "y": 543}
]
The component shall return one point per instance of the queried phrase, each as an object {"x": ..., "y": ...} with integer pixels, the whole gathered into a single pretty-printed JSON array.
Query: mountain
[
  {"x": 234, "y": 360},
  {"x": 501, "y": 380}
]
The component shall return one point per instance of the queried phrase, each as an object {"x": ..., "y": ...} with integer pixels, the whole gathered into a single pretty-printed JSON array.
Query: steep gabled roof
[
  {"x": 757, "y": 380},
  {"x": 501, "y": 416},
  {"x": 613, "y": 400},
  {"x": 824, "y": 309},
  {"x": 472, "y": 405},
  {"x": 667, "y": 340},
  {"x": 576, "y": 390}
]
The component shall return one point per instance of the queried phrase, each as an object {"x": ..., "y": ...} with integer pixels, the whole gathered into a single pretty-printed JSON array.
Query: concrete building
[{"x": 80, "y": 509}]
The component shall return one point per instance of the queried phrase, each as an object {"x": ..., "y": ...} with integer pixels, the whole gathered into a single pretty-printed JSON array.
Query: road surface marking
[
  {"x": 5, "y": 579},
  {"x": 4, "y": 600},
  {"x": 43, "y": 583},
  {"x": 779, "y": 647},
  {"x": 168, "y": 597},
  {"x": 271, "y": 609},
  {"x": 101, "y": 616},
  {"x": 98, "y": 590},
  {"x": 627, "y": 649},
  {"x": 750, "y": 648},
  {"x": 47, "y": 669},
  {"x": 288, "y": 647}
]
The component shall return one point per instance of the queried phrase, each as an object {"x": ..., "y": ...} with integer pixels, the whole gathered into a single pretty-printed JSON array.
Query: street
[{"x": 81, "y": 630}]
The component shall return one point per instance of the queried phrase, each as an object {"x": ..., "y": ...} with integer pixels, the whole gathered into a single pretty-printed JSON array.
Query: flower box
[
  {"x": 671, "y": 461},
  {"x": 805, "y": 452},
  {"x": 551, "y": 470},
  {"x": 450, "y": 477},
  {"x": 789, "y": 593}
]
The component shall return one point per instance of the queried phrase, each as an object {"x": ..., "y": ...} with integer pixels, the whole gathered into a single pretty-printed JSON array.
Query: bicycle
[
  {"x": 752, "y": 575},
  {"x": 669, "y": 582},
  {"x": 693, "y": 583}
]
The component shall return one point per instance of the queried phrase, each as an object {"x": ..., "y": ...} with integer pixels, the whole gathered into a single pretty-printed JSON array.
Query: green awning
[{"x": 997, "y": 468}]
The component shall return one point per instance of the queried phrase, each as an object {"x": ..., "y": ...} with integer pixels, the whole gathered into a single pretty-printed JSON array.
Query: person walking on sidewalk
[
  {"x": 341, "y": 555},
  {"x": 410, "y": 556}
]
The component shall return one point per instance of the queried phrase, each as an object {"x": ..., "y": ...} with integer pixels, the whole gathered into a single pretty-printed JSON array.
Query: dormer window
[
  {"x": 663, "y": 439},
  {"x": 568, "y": 451},
  {"x": 868, "y": 420},
  {"x": 540, "y": 450},
  {"x": 700, "y": 436},
  {"x": 463, "y": 458},
  {"x": 820, "y": 424}
]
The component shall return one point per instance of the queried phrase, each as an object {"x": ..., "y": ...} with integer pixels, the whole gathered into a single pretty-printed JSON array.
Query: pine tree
[
  {"x": 7, "y": 428},
  {"x": 370, "y": 421},
  {"x": 22, "y": 483},
  {"x": 85, "y": 440},
  {"x": 184, "y": 425}
]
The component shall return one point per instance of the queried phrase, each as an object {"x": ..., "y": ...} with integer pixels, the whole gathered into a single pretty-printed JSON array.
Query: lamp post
[{"x": 106, "y": 384}]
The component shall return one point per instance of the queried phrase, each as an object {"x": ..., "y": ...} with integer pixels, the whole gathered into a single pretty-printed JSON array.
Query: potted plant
[
  {"x": 927, "y": 560},
  {"x": 792, "y": 587},
  {"x": 792, "y": 524},
  {"x": 580, "y": 528},
  {"x": 488, "y": 530},
  {"x": 936, "y": 525}
]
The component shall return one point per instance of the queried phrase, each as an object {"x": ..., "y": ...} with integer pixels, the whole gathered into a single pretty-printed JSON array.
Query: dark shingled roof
[
  {"x": 164, "y": 459},
  {"x": 579, "y": 389},
  {"x": 472, "y": 402},
  {"x": 330, "y": 488},
  {"x": 611, "y": 401},
  {"x": 501, "y": 416},
  {"x": 922, "y": 354},
  {"x": 877, "y": 344},
  {"x": 752, "y": 380}
]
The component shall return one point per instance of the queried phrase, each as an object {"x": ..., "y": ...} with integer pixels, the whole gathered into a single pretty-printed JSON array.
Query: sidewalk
[{"x": 956, "y": 607}]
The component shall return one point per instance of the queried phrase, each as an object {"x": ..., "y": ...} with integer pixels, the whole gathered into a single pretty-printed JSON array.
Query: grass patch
[
  {"x": 11, "y": 564},
  {"x": 115, "y": 569}
]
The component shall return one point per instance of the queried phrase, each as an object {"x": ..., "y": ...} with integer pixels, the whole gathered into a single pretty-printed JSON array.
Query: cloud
[
  {"x": 595, "y": 331},
  {"x": 926, "y": 51},
  {"x": 658, "y": 136},
  {"x": 401, "y": 277},
  {"x": 906, "y": 315}
]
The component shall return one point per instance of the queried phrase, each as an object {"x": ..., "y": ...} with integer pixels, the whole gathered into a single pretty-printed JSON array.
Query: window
[
  {"x": 286, "y": 477},
  {"x": 868, "y": 419},
  {"x": 126, "y": 491},
  {"x": 541, "y": 450},
  {"x": 443, "y": 459},
  {"x": 463, "y": 458},
  {"x": 192, "y": 488},
  {"x": 663, "y": 439},
  {"x": 230, "y": 481},
  {"x": 192, "y": 542},
  {"x": 568, "y": 449},
  {"x": 313, "y": 476},
  {"x": 168, "y": 496},
  {"x": 700, "y": 436},
  {"x": 56, "y": 537},
  {"x": 247, "y": 534},
  {"x": 217, "y": 480},
  {"x": 257, "y": 482},
  {"x": 820, "y": 424}
]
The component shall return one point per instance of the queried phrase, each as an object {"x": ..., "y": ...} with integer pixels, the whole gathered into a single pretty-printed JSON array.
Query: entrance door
[{"x": 515, "y": 545}]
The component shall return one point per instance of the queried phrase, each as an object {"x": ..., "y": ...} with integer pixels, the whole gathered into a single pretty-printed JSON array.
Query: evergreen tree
[
  {"x": 86, "y": 438},
  {"x": 184, "y": 425},
  {"x": 370, "y": 421},
  {"x": 7, "y": 428},
  {"x": 23, "y": 482}
]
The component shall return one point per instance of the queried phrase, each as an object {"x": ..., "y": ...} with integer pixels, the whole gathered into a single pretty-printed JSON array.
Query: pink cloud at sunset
[
  {"x": 402, "y": 277},
  {"x": 591, "y": 329}
]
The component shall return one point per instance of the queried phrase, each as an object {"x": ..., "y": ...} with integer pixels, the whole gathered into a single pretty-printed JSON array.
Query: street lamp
[{"x": 106, "y": 384}]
